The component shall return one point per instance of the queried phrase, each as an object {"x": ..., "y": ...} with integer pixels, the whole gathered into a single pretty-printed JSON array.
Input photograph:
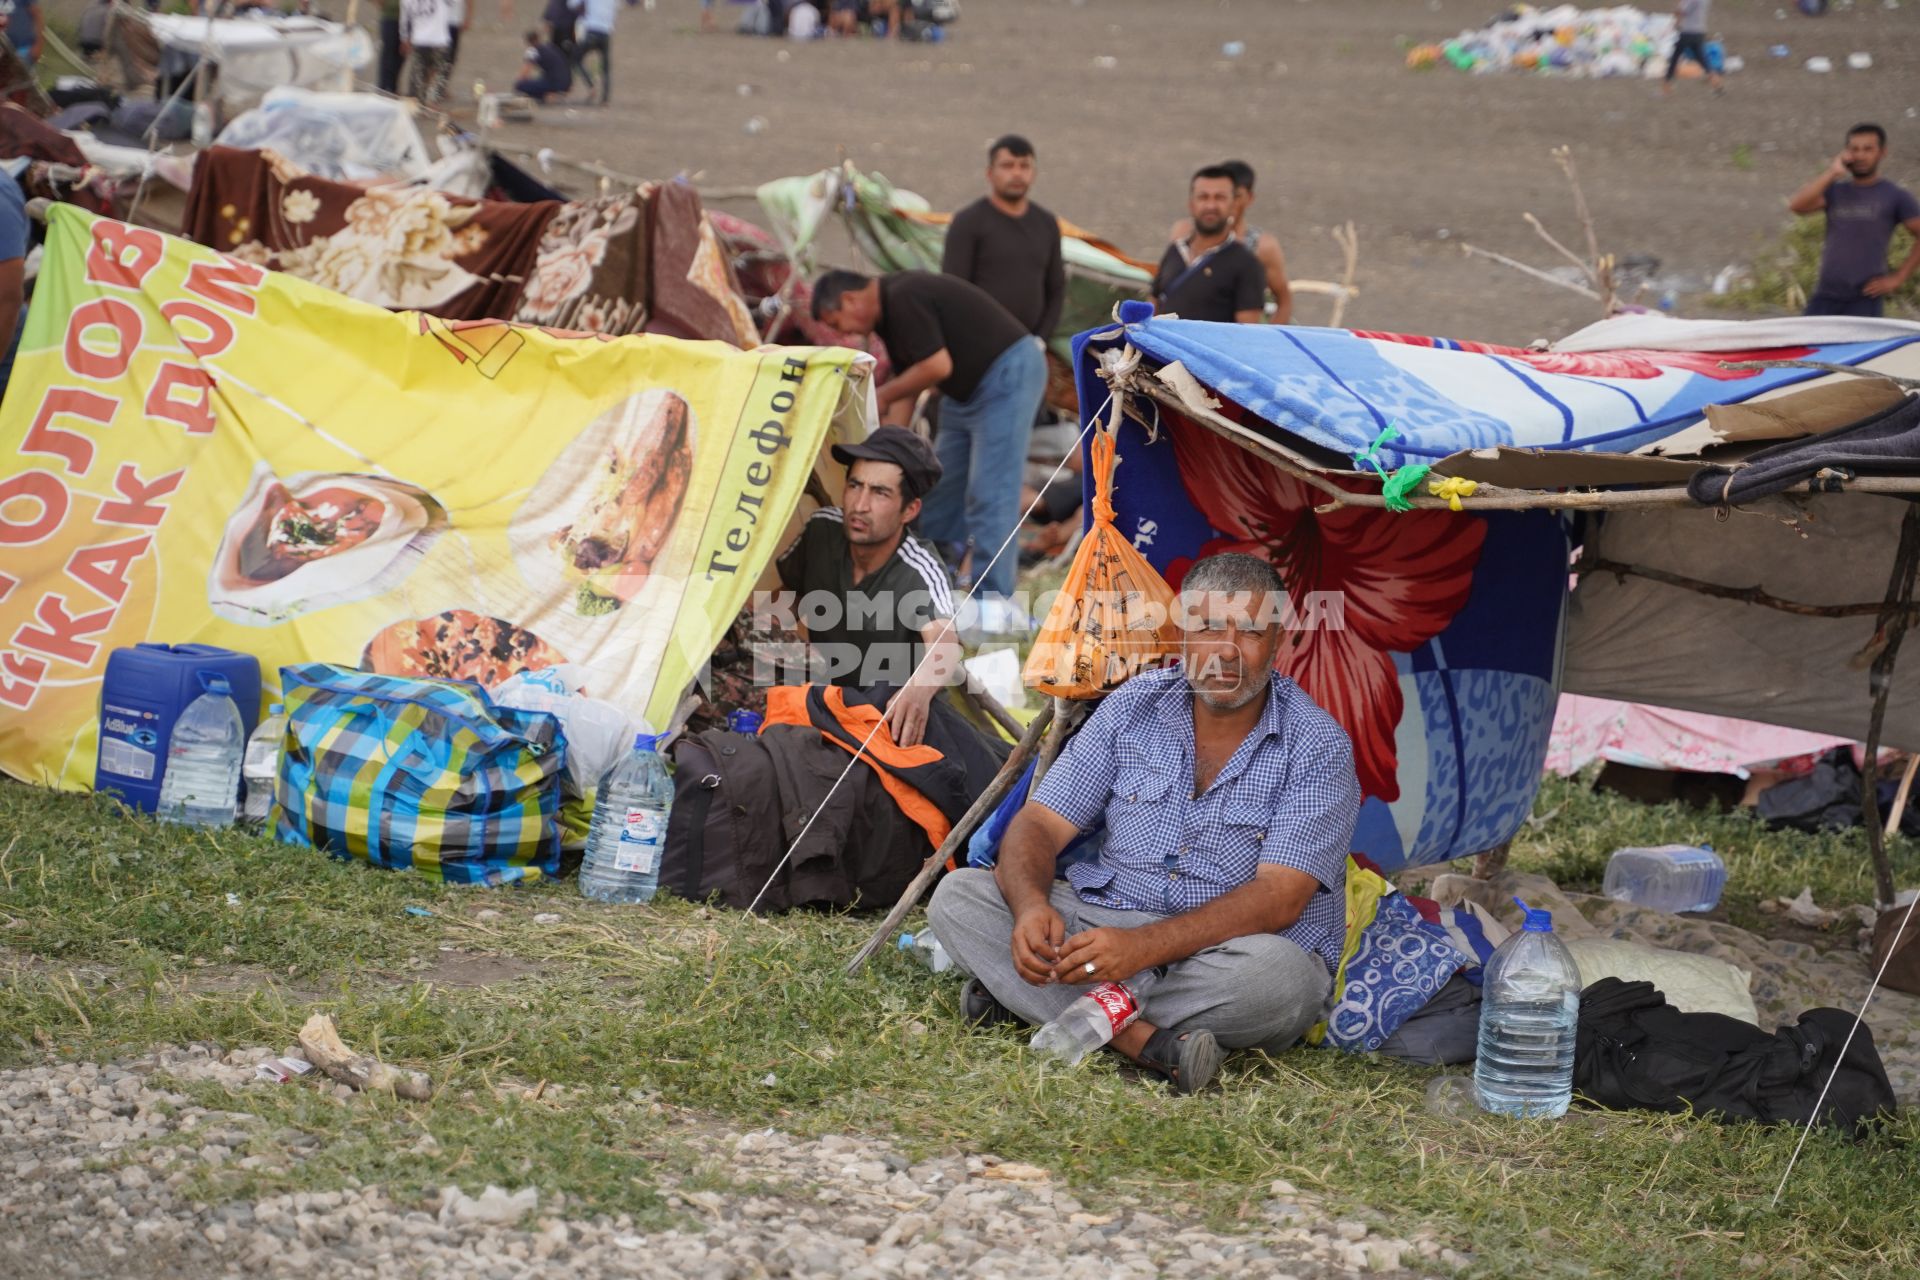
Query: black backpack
[
  {"x": 1636, "y": 1050},
  {"x": 723, "y": 835}
]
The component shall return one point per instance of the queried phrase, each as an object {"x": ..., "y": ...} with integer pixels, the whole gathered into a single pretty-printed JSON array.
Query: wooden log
[
  {"x": 957, "y": 838},
  {"x": 325, "y": 1050}
]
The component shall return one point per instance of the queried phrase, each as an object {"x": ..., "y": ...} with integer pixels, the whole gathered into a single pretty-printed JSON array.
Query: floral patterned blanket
[
  {"x": 408, "y": 248},
  {"x": 645, "y": 261},
  {"x": 633, "y": 262}
]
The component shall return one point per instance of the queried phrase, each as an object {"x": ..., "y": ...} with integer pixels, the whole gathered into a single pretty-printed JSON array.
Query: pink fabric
[{"x": 1588, "y": 729}]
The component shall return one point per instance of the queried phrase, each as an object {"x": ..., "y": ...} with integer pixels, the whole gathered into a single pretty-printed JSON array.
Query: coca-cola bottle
[{"x": 1093, "y": 1020}]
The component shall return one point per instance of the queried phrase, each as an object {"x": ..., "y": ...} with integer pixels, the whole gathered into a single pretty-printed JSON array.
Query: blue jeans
[{"x": 982, "y": 447}]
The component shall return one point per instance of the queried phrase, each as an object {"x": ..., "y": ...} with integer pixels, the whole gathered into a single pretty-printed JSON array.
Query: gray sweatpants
[{"x": 1257, "y": 992}]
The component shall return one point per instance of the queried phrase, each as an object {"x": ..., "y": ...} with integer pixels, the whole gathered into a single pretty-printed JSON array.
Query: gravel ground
[{"x": 93, "y": 1161}]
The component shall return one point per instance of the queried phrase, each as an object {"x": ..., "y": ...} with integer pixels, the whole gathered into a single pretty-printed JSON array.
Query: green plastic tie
[
  {"x": 1397, "y": 486},
  {"x": 1371, "y": 453}
]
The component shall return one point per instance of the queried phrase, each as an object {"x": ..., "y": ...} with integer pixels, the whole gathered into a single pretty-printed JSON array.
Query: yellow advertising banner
[{"x": 198, "y": 450}]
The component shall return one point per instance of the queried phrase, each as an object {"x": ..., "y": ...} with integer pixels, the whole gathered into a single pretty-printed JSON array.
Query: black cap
[{"x": 912, "y": 454}]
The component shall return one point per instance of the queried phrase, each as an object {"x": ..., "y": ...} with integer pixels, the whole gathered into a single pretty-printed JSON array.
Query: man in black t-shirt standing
[
  {"x": 875, "y": 600},
  {"x": 944, "y": 332},
  {"x": 1211, "y": 275},
  {"x": 1008, "y": 245}
]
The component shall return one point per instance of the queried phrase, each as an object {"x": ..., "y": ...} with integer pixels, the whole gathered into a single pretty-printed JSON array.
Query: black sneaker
[
  {"x": 1187, "y": 1061},
  {"x": 982, "y": 1010}
]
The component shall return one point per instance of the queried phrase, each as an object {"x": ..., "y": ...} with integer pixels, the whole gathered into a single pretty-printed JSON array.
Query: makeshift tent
[
  {"x": 898, "y": 231},
  {"x": 1588, "y": 729},
  {"x": 198, "y": 450},
  {"x": 1440, "y": 635},
  {"x": 256, "y": 54}
]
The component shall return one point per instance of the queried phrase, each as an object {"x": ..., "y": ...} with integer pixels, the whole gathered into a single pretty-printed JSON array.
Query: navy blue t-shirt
[
  {"x": 1860, "y": 223},
  {"x": 14, "y": 236}
]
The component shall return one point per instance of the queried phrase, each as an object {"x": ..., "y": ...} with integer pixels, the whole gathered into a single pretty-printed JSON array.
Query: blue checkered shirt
[{"x": 1288, "y": 796}]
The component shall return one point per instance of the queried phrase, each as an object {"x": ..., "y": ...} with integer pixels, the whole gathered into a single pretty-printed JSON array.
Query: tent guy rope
[{"x": 945, "y": 632}]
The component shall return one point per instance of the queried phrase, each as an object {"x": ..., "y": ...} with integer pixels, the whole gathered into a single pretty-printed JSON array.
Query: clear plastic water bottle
[
  {"x": 1668, "y": 877},
  {"x": 926, "y": 948},
  {"x": 1529, "y": 1013},
  {"x": 202, "y": 779},
  {"x": 262, "y": 765},
  {"x": 629, "y": 830},
  {"x": 1093, "y": 1020}
]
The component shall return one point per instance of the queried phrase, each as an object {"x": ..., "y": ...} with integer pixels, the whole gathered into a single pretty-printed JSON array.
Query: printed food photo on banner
[
  {"x": 458, "y": 645},
  {"x": 316, "y": 540},
  {"x": 606, "y": 508}
]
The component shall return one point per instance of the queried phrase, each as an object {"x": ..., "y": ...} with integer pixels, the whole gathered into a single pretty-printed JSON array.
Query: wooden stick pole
[
  {"x": 957, "y": 838},
  {"x": 1899, "y": 809},
  {"x": 1542, "y": 276},
  {"x": 1893, "y": 625},
  {"x": 991, "y": 706}
]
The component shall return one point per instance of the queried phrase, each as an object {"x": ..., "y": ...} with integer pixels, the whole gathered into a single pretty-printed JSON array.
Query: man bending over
[{"x": 1229, "y": 800}]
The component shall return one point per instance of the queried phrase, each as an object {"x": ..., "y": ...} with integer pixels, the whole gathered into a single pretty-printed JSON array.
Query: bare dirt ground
[{"x": 1320, "y": 103}]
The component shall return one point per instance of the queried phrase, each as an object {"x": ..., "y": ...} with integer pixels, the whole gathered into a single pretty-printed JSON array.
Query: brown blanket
[{"x": 407, "y": 248}]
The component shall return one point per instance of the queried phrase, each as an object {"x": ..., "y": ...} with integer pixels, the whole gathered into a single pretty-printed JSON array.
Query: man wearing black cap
[{"x": 875, "y": 600}]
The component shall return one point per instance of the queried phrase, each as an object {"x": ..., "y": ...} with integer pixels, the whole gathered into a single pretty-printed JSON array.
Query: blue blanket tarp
[
  {"x": 1340, "y": 388},
  {"x": 1433, "y": 637}
]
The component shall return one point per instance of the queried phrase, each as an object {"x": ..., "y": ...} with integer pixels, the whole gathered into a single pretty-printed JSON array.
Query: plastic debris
[
  {"x": 1565, "y": 41},
  {"x": 281, "y": 1070},
  {"x": 1233, "y": 48},
  {"x": 1859, "y": 61},
  {"x": 754, "y": 125},
  {"x": 491, "y": 1205},
  {"x": 1819, "y": 66},
  {"x": 418, "y": 911}
]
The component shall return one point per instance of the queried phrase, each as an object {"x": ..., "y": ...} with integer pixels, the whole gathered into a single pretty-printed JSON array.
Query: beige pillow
[{"x": 1692, "y": 984}]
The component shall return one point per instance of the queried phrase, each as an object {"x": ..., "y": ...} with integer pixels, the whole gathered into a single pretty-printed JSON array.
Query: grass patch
[
  {"x": 119, "y": 936},
  {"x": 1783, "y": 272},
  {"x": 1586, "y": 826}
]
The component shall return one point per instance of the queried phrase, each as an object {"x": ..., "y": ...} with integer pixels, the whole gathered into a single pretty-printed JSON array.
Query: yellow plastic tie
[{"x": 1452, "y": 488}]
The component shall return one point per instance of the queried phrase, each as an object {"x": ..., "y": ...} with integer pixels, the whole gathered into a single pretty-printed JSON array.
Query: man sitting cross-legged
[{"x": 1229, "y": 800}]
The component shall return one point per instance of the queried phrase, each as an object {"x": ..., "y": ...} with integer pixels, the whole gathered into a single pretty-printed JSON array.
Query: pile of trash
[{"x": 1565, "y": 40}]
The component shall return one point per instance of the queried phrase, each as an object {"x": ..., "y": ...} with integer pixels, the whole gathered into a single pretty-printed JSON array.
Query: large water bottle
[
  {"x": 1669, "y": 877},
  {"x": 1093, "y": 1020},
  {"x": 262, "y": 765},
  {"x": 1529, "y": 1013},
  {"x": 202, "y": 780},
  {"x": 629, "y": 831},
  {"x": 926, "y": 948}
]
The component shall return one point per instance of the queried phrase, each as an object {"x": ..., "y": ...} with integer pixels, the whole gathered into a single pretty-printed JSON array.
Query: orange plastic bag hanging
[{"x": 1114, "y": 615}]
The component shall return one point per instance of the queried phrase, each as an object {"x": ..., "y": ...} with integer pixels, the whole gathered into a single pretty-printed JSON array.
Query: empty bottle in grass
[
  {"x": 629, "y": 830},
  {"x": 1093, "y": 1020},
  {"x": 1668, "y": 877},
  {"x": 262, "y": 764},
  {"x": 202, "y": 780},
  {"x": 926, "y": 948},
  {"x": 1529, "y": 1013}
]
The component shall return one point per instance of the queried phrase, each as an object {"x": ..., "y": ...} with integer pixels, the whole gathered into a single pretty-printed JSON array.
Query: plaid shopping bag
[{"x": 418, "y": 773}]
